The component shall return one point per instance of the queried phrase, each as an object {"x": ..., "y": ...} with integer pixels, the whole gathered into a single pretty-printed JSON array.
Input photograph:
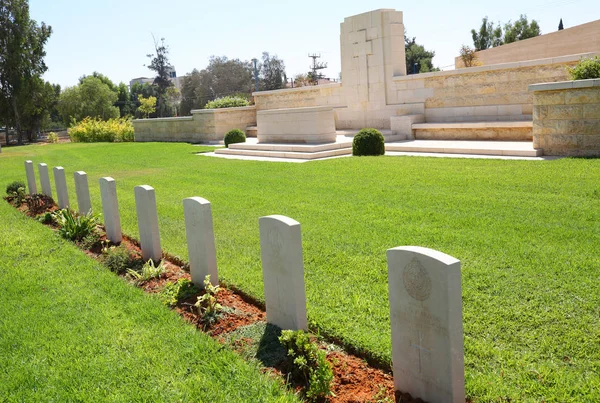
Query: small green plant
[
  {"x": 47, "y": 218},
  {"x": 588, "y": 67},
  {"x": 309, "y": 364},
  {"x": 368, "y": 142},
  {"x": 119, "y": 259},
  {"x": 227, "y": 102},
  {"x": 207, "y": 306},
  {"x": 17, "y": 197},
  {"x": 172, "y": 293},
  {"x": 75, "y": 227},
  {"x": 90, "y": 240},
  {"x": 148, "y": 271},
  {"x": 234, "y": 136},
  {"x": 13, "y": 187},
  {"x": 52, "y": 138}
]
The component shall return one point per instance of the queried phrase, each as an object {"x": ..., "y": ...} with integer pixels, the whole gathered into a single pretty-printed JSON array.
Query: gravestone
[
  {"x": 145, "y": 206},
  {"x": 110, "y": 209},
  {"x": 200, "y": 240},
  {"x": 426, "y": 319},
  {"x": 45, "y": 179},
  {"x": 83, "y": 192},
  {"x": 60, "y": 181},
  {"x": 30, "y": 177},
  {"x": 283, "y": 272}
]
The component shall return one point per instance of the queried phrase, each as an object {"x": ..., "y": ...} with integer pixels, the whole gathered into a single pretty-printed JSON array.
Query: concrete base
[
  {"x": 498, "y": 148},
  {"x": 501, "y": 131}
]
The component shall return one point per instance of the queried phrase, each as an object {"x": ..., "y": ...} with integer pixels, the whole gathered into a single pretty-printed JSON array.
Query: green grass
[
  {"x": 527, "y": 234},
  {"x": 72, "y": 331}
]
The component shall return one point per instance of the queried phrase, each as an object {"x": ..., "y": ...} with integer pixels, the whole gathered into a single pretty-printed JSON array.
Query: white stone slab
[
  {"x": 83, "y": 192},
  {"x": 30, "y": 177},
  {"x": 426, "y": 319},
  {"x": 283, "y": 272},
  {"x": 110, "y": 209},
  {"x": 201, "y": 240},
  {"x": 60, "y": 181},
  {"x": 145, "y": 206},
  {"x": 45, "y": 179}
]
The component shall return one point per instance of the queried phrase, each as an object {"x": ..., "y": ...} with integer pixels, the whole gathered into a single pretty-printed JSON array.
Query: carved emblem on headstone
[{"x": 416, "y": 280}]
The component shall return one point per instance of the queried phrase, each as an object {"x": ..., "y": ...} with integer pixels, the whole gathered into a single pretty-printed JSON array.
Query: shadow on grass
[{"x": 259, "y": 341}]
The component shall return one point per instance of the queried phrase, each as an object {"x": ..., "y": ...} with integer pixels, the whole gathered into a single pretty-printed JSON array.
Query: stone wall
[
  {"x": 487, "y": 93},
  {"x": 204, "y": 125},
  {"x": 566, "y": 117},
  {"x": 579, "y": 39}
]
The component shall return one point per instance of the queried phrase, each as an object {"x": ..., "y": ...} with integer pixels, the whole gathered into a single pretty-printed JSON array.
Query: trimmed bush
[
  {"x": 588, "y": 67},
  {"x": 52, "y": 138},
  {"x": 234, "y": 136},
  {"x": 13, "y": 187},
  {"x": 227, "y": 102},
  {"x": 368, "y": 142},
  {"x": 92, "y": 130}
]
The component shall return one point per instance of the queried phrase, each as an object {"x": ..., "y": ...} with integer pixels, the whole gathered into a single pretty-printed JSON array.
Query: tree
[
  {"x": 417, "y": 55},
  {"x": 469, "y": 56},
  {"x": 145, "y": 90},
  {"x": 225, "y": 76},
  {"x": 521, "y": 29},
  {"x": 21, "y": 53},
  {"x": 124, "y": 101},
  {"x": 193, "y": 94},
  {"x": 91, "y": 98},
  {"x": 159, "y": 63},
  {"x": 147, "y": 105},
  {"x": 560, "y": 25},
  {"x": 488, "y": 36},
  {"x": 272, "y": 73},
  {"x": 35, "y": 102},
  {"x": 103, "y": 78},
  {"x": 302, "y": 80}
]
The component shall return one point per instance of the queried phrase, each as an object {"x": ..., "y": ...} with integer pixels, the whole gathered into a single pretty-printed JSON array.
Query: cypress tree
[{"x": 560, "y": 25}]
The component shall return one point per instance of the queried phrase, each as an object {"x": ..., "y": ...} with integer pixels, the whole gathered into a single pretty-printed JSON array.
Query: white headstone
[
  {"x": 145, "y": 206},
  {"x": 283, "y": 272},
  {"x": 30, "y": 177},
  {"x": 60, "y": 181},
  {"x": 83, "y": 192},
  {"x": 110, "y": 209},
  {"x": 200, "y": 240},
  {"x": 426, "y": 319},
  {"x": 45, "y": 179}
]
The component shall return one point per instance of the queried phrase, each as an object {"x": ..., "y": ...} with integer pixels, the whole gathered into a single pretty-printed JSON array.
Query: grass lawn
[
  {"x": 527, "y": 234},
  {"x": 72, "y": 331}
]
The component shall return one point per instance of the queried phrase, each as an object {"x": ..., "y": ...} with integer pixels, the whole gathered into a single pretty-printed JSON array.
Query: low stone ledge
[
  {"x": 297, "y": 89},
  {"x": 565, "y": 85},
  {"x": 173, "y": 119},
  {"x": 222, "y": 110},
  {"x": 306, "y": 109}
]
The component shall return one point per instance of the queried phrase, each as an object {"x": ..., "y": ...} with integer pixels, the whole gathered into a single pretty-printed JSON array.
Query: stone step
[
  {"x": 285, "y": 154},
  {"x": 502, "y": 148},
  {"x": 300, "y": 148},
  {"x": 251, "y": 131},
  {"x": 502, "y": 131}
]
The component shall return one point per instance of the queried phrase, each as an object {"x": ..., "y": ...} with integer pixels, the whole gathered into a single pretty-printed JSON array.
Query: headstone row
[{"x": 425, "y": 294}]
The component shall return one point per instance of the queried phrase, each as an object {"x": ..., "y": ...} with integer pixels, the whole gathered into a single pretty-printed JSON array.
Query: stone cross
[
  {"x": 45, "y": 179},
  {"x": 145, "y": 206},
  {"x": 60, "y": 181},
  {"x": 283, "y": 272},
  {"x": 426, "y": 319},
  {"x": 200, "y": 240},
  {"x": 83, "y": 192},
  {"x": 110, "y": 209},
  {"x": 362, "y": 47},
  {"x": 30, "y": 177}
]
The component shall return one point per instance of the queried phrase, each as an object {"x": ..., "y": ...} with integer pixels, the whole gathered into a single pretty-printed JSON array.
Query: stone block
[
  {"x": 60, "y": 182},
  {"x": 591, "y": 111},
  {"x": 45, "y": 179},
  {"x": 30, "y": 172},
  {"x": 283, "y": 272},
  {"x": 200, "y": 240},
  {"x": 147, "y": 216},
  {"x": 564, "y": 112},
  {"x": 402, "y": 125},
  {"x": 426, "y": 319},
  {"x": 582, "y": 96},
  {"x": 549, "y": 98},
  {"x": 83, "y": 192},
  {"x": 110, "y": 209}
]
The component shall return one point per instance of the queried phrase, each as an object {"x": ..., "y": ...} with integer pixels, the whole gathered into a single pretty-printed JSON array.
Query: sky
[{"x": 113, "y": 37}]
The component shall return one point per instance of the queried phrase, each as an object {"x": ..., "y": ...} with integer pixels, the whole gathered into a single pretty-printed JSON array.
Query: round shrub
[
  {"x": 234, "y": 136},
  {"x": 368, "y": 142},
  {"x": 587, "y": 68},
  {"x": 14, "y": 187}
]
